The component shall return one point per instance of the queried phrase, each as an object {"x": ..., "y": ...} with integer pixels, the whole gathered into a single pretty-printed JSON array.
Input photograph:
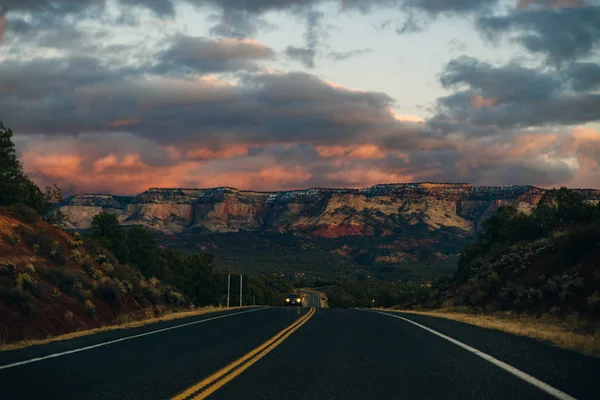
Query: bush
[
  {"x": 76, "y": 256},
  {"x": 77, "y": 236},
  {"x": 175, "y": 299},
  {"x": 13, "y": 240},
  {"x": 24, "y": 281},
  {"x": 151, "y": 294},
  {"x": 24, "y": 213},
  {"x": 68, "y": 317},
  {"x": 111, "y": 293},
  {"x": 593, "y": 301},
  {"x": 18, "y": 300},
  {"x": 58, "y": 255},
  {"x": 75, "y": 244},
  {"x": 55, "y": 294},
  {"x": 89, "y": 308},
  {"x": 9, "y": 269},
  {"x": 66, "y": 280},
  {"x": 107, "y": 268},
  {"x": 30, "y": 269}
]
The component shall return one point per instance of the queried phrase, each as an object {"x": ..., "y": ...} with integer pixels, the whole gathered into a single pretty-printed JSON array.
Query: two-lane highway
[
  {"x": 313, "y": 298},
  {"x": 286, "y": 353}
]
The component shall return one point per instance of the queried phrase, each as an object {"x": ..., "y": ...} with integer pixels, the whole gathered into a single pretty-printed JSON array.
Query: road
[
  {"x": 308, "y": 353},
  {"x": 313, "y": 298}
]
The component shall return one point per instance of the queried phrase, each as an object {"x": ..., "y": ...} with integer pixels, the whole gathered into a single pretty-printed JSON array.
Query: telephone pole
[
  {"x": 240, "y": 290},
  {"x": 228, "y": 288}
]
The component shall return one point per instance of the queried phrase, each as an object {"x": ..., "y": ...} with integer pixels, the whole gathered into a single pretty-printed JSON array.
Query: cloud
[
  {"x": 584, "y": 76},
  {"x": 345, "y": 55},
  {"x": 488, "y": 98},
  {"x": 2, "y": 27},
  {"x": 550, "y": 3},
  {"x": 558, "y": 33},
  {"x": 205, "y": 55},
  {"x": 303, "y": 55},
  {"x": 306, "y": 55}
]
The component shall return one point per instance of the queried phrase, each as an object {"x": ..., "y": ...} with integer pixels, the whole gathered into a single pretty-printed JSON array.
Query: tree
[
  {"x": 52, "y": 214},
  {"x": 109, "y": 233},
  {"x": 144, "y": 252},
  {"x": 15, "y": 186}
]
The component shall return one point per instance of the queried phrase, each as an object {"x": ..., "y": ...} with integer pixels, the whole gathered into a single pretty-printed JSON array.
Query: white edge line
[
  {"x": 508, "y": 368},
  {"x": 64, "y": 353}
]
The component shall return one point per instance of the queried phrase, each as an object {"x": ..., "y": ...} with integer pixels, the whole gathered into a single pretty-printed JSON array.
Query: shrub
[
  {"x": 593, "y": 301},
  {"x": 76, "y": 256},
  {"x": 68, "y": 317},
  {"x": 75, "y": 244},
  {"x": 55, "y": 293},
  {"x": 13, "y": 240},
  {"x": 58, "y": 255},
  {"x": 89, "y": 308},
  {"x": 111, "y": 293},
  {"x": 107, "y": 268},
  {"x": 24, "y": 213},
  {"x": 77, "y": 236},
  {"x": 36, "y": 248},
  {"x": 30, "y": 269},
  {"x": 96, "y": 273},
  {"x": 175, "y": 299},
  {"x": 151, "y": 294},
  {"x": 9, "y": 269},
  {"x": 18, "y": 300},
  {"x": 24, "y": 281},
  {"x": 66, "y": 280}
]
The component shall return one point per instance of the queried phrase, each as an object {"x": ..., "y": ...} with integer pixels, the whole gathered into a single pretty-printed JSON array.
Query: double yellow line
[{"x": 217, "y": 380}]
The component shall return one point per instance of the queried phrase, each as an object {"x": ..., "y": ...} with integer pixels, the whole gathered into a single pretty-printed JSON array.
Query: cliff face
[{"x": 380, "y": 210}]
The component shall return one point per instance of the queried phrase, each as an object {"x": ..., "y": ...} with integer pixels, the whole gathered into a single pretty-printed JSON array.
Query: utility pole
[
  {"x": 228, "y": 288},
  {"x": 240, "y": 290}
]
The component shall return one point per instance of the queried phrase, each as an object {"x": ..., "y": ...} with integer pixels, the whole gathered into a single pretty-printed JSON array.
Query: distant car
[{"x": 293, "y": 300}]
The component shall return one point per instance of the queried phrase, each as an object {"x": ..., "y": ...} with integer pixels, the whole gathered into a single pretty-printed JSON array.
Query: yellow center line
[{"x": 209, "y": 385}]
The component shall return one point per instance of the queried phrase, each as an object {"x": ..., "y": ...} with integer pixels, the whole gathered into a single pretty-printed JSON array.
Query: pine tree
[{"x": 15, "y": 186}]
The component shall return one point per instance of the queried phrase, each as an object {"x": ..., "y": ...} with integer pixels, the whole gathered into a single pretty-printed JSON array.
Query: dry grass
[
  {"x": 570, "y": 333},
  {"x": 124, "y": 325}
]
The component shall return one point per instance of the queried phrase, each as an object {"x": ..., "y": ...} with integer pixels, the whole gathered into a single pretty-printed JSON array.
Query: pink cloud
[
  {"x": 366, "y": 151},
  {"x": 2, "y": 26},
  {"x": 125, "y": 122},
  {"x": 482, "y": 102}
]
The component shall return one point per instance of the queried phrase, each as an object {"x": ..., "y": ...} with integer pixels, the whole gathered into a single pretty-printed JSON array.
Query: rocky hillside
[
  {"x": 52, "y": 282},
  {"x": 350, "y": 230},
  {"x": 329, "y": 213}
]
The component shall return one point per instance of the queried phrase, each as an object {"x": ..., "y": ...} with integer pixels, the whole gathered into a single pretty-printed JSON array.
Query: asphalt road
[
  {"x": 333, "y": 354},
  {"x": 313, "y": 299}
]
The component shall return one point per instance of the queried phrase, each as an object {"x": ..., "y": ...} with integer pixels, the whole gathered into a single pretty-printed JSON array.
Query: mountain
[{"x": 383, "y": 225}]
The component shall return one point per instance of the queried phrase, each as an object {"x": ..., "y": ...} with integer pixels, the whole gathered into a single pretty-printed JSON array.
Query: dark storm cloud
[
  {"x": 560, "y": 34},
  {"x": 57, "y": 96},
  {"x": 455, "y": 7},
  {"x": 488, "y": 97},
  {"x": 584, "y": 76},
  {"x": 204, "y": 55}
]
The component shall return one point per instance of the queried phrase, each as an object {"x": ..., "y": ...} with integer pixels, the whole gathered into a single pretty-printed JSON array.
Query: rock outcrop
[{"x": 327, "y": 213}]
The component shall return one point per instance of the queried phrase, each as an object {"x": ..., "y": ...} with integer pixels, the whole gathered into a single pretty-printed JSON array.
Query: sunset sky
[{"x": 120, "y": 96}]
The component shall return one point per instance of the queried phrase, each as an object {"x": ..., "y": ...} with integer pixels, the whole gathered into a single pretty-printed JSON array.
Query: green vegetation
[
  {"x": 25, "y": 199},
  {"x": 301, "y": 257},
  {"x": 194, "y": 275}
]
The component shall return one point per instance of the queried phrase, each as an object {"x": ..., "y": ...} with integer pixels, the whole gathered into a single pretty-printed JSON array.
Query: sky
[{"x": 119, "y": 96}]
